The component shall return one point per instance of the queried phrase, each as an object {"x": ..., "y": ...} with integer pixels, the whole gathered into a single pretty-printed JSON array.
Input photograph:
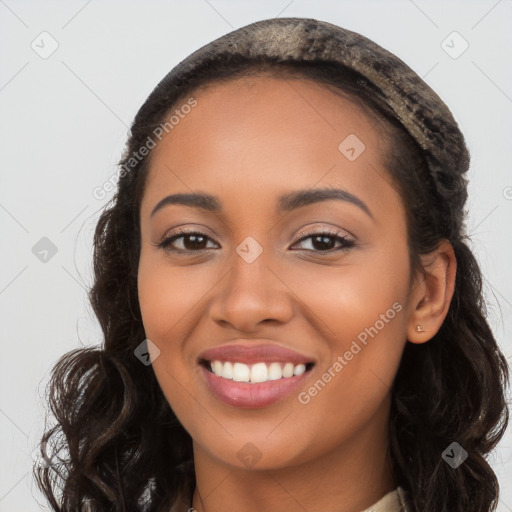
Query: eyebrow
[{"x": 286, "y": 202}]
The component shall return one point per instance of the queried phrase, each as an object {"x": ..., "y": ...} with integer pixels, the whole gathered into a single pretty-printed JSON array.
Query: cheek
[
  {"x": 169, "y": 296},
  {"x": 171, "y": 300},
  {"x": 345, "y": 302},
  {"x": 359, "y": 310},
  {"x": 361, "y": 316}
]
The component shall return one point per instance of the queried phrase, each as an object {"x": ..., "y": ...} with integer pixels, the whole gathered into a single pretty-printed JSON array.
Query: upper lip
[{"x": 250, "y": 353}]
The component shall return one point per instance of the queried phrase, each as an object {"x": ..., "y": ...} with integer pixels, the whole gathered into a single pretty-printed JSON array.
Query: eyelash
[{"x": 345, "y": 241}]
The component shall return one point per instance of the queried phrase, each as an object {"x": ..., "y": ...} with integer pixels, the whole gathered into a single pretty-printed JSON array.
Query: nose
[{"x": 251, "y": 294}]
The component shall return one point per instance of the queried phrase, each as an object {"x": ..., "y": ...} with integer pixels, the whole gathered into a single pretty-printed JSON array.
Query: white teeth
[
  {"x": 241, "y": 372},
  {"x": 217, "y": 367},
  {"x": 227, "y": 370},
  {"x": 288, "y": 370},
  {"x": 256, "y": 373},
  {"x": 274, "y": 371},
  {"x": 299, "y": 369},
  {"x": 259, "y": 372}
]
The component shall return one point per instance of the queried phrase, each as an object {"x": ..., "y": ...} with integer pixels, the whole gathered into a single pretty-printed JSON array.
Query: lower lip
[{"x": 252, "y": 396}]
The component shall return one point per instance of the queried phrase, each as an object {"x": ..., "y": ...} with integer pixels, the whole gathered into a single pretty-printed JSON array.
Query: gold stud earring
[{"x": 419, "y": 329}]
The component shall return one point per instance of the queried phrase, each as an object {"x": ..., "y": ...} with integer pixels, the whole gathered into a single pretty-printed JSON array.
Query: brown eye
[
  {"x": 190, "y": 241},
  {"x": 325, "y": 241}
]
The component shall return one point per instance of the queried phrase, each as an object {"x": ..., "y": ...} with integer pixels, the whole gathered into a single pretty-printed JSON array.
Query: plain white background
[{"x": 65, "y": 119}]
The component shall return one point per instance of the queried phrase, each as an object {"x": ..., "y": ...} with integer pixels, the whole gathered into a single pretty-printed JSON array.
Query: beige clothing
[{"x": 394, "y": 501}]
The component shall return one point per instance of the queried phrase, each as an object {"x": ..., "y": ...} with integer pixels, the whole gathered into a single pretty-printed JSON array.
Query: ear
[{"x": 432, "y": 293}]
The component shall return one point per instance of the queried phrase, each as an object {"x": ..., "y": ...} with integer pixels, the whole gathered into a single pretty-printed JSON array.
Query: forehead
[
  {"x": 262, "y": 136},
  {"x": 281, "y": 100}
]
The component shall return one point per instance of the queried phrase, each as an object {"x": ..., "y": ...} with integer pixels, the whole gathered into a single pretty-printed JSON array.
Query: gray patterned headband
[{"x": 419, "y": 109}]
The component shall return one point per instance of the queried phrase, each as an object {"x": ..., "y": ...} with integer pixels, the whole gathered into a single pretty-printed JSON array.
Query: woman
[{"x": 292, "y": 316}]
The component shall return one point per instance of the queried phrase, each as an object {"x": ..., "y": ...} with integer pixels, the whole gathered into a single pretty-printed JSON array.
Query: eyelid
[
  {"x": 322, "y": 229},
  {"x": 189, "y": 230}
]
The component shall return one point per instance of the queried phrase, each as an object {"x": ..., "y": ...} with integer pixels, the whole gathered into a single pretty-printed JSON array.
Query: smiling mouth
[{"x": 255, "y": 373}]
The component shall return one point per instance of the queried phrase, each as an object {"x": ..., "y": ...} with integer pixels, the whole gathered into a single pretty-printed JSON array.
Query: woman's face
[{"x": 261, "y": 277}]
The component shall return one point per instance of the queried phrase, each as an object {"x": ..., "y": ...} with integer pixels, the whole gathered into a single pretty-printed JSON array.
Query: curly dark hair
[{"x": 125, "y": 448}]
